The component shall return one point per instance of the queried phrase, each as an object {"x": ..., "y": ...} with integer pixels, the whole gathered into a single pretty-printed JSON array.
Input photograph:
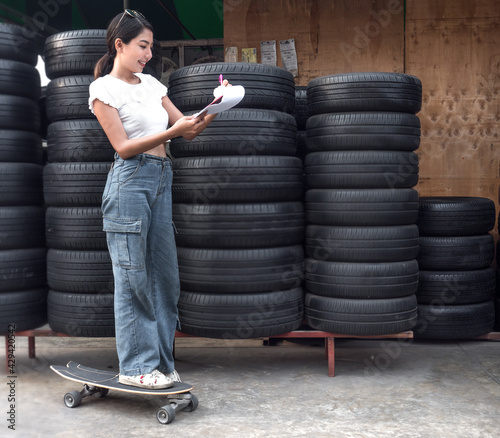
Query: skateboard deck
[{"x": 98, "y": 383}]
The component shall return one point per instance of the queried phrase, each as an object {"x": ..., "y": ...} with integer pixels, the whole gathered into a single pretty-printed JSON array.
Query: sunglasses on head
[{"x": 130, "y": 13}]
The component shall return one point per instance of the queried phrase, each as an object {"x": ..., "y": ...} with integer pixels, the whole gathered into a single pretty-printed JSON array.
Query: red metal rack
[{"x": 303, "y": 334}]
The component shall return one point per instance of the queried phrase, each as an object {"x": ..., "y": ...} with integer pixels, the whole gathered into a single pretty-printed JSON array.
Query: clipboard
[{"x": 230, "y": 97}]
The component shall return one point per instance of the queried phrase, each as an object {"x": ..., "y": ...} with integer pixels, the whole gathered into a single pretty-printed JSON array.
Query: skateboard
[{"x": 97, "y": 383}]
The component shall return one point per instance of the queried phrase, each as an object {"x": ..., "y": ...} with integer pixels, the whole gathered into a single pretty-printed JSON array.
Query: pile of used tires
[
  {"x": 238, "y": 209},
  {"x": 457, "y": 282},
  {"x": 79, "y": 272},
  {"x": 23, "y": 289},
  {"x": 361, "y": 208}
]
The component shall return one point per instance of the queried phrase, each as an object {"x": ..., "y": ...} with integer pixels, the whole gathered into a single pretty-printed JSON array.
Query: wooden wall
[
  {"x": 453, "y": 46},
  {"x": 331, "y": 36}
]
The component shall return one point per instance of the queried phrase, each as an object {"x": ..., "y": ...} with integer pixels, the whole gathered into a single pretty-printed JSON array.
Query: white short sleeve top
[{"x": 139, "y": 105}]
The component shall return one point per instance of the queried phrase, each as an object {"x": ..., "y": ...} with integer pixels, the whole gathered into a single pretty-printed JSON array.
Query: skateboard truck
[
  {"x": 178, "y": 402},
  {"x": 74, "y": 398}
]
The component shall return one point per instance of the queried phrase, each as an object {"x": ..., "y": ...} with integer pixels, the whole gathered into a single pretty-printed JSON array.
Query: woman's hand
[{"x": 189, "y": 127}]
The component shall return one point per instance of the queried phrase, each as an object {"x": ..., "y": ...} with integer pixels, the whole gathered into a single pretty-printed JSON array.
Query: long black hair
[{"x": 126, "y": 28}]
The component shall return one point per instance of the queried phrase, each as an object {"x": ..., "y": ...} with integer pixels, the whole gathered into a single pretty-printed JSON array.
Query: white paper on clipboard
[{"x": 231, "y": 96}]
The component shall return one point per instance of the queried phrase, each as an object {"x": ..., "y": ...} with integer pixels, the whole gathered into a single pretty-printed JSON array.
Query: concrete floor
[{"x": 382, "y": 388}]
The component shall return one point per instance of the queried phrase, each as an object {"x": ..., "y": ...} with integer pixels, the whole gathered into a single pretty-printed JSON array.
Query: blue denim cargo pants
[{"x": 137, "y": 218}]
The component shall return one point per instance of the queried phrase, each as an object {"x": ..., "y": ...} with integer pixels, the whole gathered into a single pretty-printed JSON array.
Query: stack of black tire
[
  {"x": 361, "y": 238},
  {"x": 457, "y": 283},
  {"x": 23, "y": 284},
  {"x": 238, "y": 208},
  {"x": 79, "y": 271}
]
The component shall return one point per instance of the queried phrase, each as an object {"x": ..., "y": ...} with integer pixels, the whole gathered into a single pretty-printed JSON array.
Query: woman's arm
[
  {"x": 186, "y": 127},
  {"x": 111, "y": 124}
]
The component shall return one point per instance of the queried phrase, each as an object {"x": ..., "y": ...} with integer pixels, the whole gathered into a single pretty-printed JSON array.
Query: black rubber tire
[
  {"x": 463, "y": 253},
  {"x": 362, "y": 244},
  {"x": 455, "y": 216},
  {"x": 266, "y": 87},
  {"x": 80, "y": 305},
  {"x": 27, "y": 309},
  {"x": 240, "y": 271},
  {"x": 22, "y": 227},
  {"x": 456, "y": 287},
  {"x": 464, "y": 321},
  {"x": 241, "y": 316},
  {"x": 74, "y": 184},
  {"x": 300, "y": 111},
  {"x": 361, "y": 317},
  {"x": 239, "y": 225},
  {"x": 237, "y": 179},
  {"x": 19, "y": 79},
  {"x": 384, "y": 131},
  {"x": 361, "y": 169},
  {"x": 20, "y": 113},
  {"x": 75, "y": 228},
  {"x": 74, "y": 52},
  {"x": 68, "y": 98},
  {"x": 21, "y": 184},
  {"x": 358, "y": 207},
  {"x": 79, "y": 140},
  {"x": 227, "y": 307},
  {"x": 364, "y": 92},
  {"x": 361, "y": 280},
  {"x": 22, "y": 269},
  {"x": 242, "y": 132},
  {"x": 87, "y": 272},
  {"x": 81, "y": 315},
  {"x": 20, "y": 147},
  {"x": 16, "y": 43}
]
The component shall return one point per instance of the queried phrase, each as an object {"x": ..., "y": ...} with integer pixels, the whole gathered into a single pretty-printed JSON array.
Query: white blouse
[{"x": 139, "y": 105}]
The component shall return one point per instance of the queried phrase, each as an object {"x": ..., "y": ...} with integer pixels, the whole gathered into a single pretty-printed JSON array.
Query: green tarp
[{"x": 171, "y": 19}]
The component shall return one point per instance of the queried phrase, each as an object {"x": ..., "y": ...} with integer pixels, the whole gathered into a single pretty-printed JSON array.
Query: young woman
[{"x": 135, "y": 112}]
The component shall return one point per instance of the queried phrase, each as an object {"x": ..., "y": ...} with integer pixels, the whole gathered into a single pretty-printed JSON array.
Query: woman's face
[{"x": 137, "y": 52}]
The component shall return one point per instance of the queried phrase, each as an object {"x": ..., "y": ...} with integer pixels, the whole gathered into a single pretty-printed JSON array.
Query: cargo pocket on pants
[{"x": 124, "y": 242}]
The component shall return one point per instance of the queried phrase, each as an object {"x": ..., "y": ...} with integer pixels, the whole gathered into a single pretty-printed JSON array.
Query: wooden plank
[
  {"x": 330, "y": 36},
  {"x": 454, "y": 48}
]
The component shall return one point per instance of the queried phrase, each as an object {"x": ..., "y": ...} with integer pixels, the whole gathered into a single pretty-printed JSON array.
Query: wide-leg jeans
[{"x": 137, "y": 218}]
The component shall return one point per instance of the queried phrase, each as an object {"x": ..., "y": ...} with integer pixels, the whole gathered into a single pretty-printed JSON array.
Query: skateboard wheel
[
  {"x": 192, "y": 405},
  {"x": 166, "y": 414},
  {"x": 72, "y": 399}
]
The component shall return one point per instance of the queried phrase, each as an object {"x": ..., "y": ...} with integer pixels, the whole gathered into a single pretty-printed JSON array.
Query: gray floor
[{"x": 382, "y": 388}]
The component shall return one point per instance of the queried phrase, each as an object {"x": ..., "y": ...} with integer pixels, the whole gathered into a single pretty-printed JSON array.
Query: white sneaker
[
  {"x": 153, "y": 380},
  {"x": 174, "y": 375}
]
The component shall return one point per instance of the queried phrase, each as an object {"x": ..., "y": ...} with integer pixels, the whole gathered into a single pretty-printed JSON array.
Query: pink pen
[{"x": 221, "y": 79}]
